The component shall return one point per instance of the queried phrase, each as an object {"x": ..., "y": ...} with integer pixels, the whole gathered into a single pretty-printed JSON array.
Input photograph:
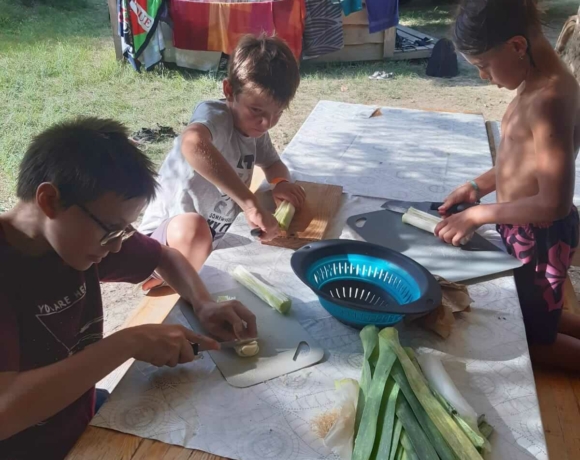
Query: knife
[
  {"x": 403, "y": 206},
  {"x": 224, "y": 345}
]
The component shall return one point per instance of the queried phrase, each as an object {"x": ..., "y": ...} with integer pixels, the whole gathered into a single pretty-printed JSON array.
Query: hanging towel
[
  {"x": 383, "y": 14},
  {"x": 323, "y": 32},
  {"x": 219, "y": 26},
  {"x": 350, "y": 6},
  {"x": 138, "y": 21}
]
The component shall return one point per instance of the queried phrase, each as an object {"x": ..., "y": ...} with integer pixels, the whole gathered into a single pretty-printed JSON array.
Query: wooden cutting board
[{"x": 312, "y": 221}]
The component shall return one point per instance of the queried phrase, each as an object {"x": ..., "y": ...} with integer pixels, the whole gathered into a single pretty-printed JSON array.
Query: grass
[{"x": 57, "y": 61}]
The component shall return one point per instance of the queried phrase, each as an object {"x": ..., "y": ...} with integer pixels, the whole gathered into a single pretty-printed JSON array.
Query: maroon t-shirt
[{"x": 50, "y": 311}]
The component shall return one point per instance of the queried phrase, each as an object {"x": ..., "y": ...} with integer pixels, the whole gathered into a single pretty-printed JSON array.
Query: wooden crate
[{"x": 359, "y": 44}]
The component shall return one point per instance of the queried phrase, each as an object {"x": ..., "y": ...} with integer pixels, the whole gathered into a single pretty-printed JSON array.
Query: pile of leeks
[{"x": 401, "y": 413}]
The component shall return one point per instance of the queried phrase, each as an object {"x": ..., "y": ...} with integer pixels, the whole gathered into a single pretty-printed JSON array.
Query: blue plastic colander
[{"x": 361, "y": 283}]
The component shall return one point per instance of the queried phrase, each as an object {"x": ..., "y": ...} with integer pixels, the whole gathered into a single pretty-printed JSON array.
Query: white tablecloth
[{"x": 193, "y": 406}]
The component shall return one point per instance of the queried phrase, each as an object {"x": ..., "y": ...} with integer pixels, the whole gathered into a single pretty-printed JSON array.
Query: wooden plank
[
  {"x": 421, "y": 52},
  {"x": 151, "y": 450},
  {"x": 101, "y": 444},
  {"x": 359, "y": 35},
  {"x": 352, "y": 53},
  {"x": 549, "y": 412},
  {"x": 494, "y": 137},
  {"x": 311, "y": 222},
  {"x": 177, "y": 453},
  {"x": 389, "y": 42},
  {"x": 360, "y": 18},
  {"x": 568, "y": 413},
  {"x": 114, "y": 29}
]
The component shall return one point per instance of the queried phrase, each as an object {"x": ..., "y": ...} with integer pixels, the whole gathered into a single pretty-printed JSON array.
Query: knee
[{"x": 188, "y": 230}]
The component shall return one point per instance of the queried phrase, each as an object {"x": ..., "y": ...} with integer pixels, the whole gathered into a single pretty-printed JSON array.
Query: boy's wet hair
[
  {"x": 84, "y": 159},
  {"x": 481, "y": 25},
  {"x": 266, "y": 64}
]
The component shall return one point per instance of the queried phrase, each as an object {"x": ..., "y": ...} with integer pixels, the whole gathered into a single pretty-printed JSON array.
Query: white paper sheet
[{"x": 193, "y": 406}]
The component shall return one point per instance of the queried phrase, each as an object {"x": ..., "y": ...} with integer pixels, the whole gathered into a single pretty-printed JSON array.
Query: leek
[
  {"x": 369, "y": 337},
  {"x": 387, "y": 421},
  {"x": 454, "y": 436},
  {"x": 425, "y": 221},
  {"x": 408, "y": 446},
  {"x": 272, "y": 296},
  {"x": 396, "y": 438},
  {"x": 440, "y": 381},
  {"x": 284, "y": 214},
  {"x": 366, "y": 435},
  {"x": 421, "y": 445}
]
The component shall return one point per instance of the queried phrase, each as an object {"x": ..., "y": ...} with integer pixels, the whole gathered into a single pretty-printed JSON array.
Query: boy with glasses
[{"x": 80, "y": 186}]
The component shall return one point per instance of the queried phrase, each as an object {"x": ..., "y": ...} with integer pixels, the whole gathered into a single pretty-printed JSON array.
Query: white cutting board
[{"x": 285, "y": 346}]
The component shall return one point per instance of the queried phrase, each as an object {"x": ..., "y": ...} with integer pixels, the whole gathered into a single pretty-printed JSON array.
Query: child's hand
[
  {"x": 228, "y": 320},
  {"x": 258, "y": 217},
  {"x": 455, "y": 228},
  {"x": 164, "y": 344},
  {"x": 286, "y": 191},
  {"x": 464, "y": 194}
]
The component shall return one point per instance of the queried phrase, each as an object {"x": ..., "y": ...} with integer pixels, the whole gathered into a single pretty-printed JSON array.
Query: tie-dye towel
[{"x": 219, "y": 26}]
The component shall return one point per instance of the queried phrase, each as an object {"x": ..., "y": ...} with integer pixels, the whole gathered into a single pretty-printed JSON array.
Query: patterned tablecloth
[{"x": 486, "y": 355}]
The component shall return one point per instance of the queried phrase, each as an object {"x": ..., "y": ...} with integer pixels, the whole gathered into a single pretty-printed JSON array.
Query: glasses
[{"x": 110, "y": 234}]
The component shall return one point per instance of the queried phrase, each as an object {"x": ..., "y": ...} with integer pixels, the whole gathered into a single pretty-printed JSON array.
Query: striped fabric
[
  {"x": 323, "y": 32},
  {"x": 219, "y": 26}
]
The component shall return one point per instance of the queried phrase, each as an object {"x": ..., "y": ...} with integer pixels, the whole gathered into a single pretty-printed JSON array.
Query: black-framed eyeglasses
[{"x": 110, "y": 234}]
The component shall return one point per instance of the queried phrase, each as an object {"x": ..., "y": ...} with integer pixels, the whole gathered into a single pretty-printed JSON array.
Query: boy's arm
[
  {"x": 221, "y": 319},
  {"x": 205, "y": 158},
  {"x": 467, "y": 193},
  {"x": 29, "y": 397}
]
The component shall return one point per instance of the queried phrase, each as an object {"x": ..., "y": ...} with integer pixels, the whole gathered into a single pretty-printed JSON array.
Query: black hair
[
  {"x": 481, "y": 25},
  {"x": 84, "y": 159}
]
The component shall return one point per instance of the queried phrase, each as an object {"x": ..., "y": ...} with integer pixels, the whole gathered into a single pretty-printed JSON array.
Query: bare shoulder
[{"x": 557, "y": 103}]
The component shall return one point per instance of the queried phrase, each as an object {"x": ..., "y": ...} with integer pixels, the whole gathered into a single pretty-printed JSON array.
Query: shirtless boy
[{"x": 534, "y": 172}]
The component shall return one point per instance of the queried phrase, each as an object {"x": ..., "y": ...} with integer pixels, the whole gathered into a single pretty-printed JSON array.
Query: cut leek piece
[
  {"x": 451, "y": 432},
  {"x": 284, "y": 214},
  {"x": 425, "y": 221},
  {"x": 272, "y": 296},
  {"x": 248, "y": 350}
]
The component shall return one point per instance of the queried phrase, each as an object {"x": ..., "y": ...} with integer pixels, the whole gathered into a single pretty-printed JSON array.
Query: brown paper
[{"x": 455, "y": 299}]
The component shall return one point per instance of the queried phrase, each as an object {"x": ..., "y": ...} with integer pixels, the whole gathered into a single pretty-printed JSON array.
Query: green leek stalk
[{"x": 272, "y": 296}]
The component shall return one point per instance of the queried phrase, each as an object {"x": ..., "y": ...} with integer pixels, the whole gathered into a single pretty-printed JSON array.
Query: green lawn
[{"x": 58, "y": 62}]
